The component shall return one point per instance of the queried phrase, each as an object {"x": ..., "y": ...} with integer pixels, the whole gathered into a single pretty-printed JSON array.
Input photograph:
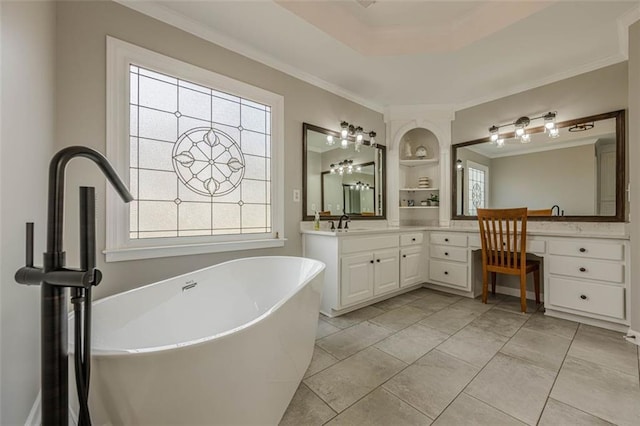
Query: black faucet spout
[
  {"x": 346, "y": 225},
  {"x": 555, "y": 206}
]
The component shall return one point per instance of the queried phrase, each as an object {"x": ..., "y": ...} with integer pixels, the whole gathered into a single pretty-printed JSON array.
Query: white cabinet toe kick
[{"x": 585, "y": 279}]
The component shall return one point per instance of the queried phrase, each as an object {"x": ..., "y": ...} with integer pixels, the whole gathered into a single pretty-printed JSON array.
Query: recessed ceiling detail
[{"x": 402, "y": 28}]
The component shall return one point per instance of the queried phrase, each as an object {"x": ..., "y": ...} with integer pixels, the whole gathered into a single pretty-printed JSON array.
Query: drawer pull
[
  {"x": 583, "y": 297},
  {"x": 446, "y": 253},
  {"x": 583, "y": 250},
  {"x": 583, "y": 269},
  {"x": 378, "y": 260},
  {"x": 404, "y": 255},
  {"x": 446, "y": 240},
  {"x": 446, "y": 272},
  {"x": 413, "y": 239},
  {"x": 371, "y": 261}
]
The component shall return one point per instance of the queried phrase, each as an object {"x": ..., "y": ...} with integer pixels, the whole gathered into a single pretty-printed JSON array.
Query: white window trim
[{"x": 120, "y": 247}]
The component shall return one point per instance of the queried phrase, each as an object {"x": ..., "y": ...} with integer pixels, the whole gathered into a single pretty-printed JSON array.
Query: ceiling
[{"x": 450, "y": 53}]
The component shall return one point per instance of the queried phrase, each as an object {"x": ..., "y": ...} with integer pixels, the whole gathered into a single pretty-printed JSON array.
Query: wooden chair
[
  {"x": 541, "y": 212},
  {"x": 504, "y": 245}
]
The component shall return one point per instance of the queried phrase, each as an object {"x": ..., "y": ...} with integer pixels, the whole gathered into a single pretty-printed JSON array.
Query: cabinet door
[
  {"x": 386, "y": 271},
  {"x": 410, "y": 266},
  {"x": 356, "y": 279}
]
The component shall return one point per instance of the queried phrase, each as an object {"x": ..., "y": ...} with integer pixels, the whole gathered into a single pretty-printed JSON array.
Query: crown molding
[{"x": 175, "y": 19}]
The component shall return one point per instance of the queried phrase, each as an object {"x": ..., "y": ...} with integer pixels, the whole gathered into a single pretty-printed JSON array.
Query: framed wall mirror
[
  {"x": 577, "y": 176},
  {"x": 338, "y": 180}
]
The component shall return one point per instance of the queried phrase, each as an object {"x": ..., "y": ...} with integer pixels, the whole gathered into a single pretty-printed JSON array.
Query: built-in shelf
[
  {"x": 419, "y": 189},
  {"x": 419, "y": 207},
  {"x": 418, "y": 162}
]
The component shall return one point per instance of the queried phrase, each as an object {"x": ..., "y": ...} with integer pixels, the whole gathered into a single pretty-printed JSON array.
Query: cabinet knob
[
  {"x": 446, "y": 253},
  {"x": 582, "y": 249},
  {"x": 446, "y": 240},
  {"x": 371, "y": 261},
  {"x": 413, "y": 239},
  {"x": 583, "y": 297},
  {"x": 583, "y": 269},
  {"x": 378, "y": 260},
  {"x": 446, "y": 272},
  {"x": 404, "y": 255}
]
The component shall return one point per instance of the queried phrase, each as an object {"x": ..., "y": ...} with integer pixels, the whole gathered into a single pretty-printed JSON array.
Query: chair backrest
[
  {"x": 541, "y": 212},
  {"x": 503, "y": 233}
]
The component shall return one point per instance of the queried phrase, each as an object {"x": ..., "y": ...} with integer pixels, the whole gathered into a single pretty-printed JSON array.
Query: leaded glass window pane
[{"x": 200, "y": 159}]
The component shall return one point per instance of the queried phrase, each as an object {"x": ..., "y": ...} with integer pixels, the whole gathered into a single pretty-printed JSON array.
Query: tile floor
[{"x": 426, "y": 357}]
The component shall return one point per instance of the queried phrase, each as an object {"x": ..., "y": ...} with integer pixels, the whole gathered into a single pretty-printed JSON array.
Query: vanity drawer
[
  {"x": 595, "y": 298},
  {"x": 586, "y": 268},
  {"x": 411, "y": 239},
  {"x": 457, "y": 254},
  {"x": 533, "y": 246},
  {"x": 352, "y": 245},
  {"x": 453, "y": 274},
  {"x": 608, "y": 251},
  {"x": 459, "y": 240}
]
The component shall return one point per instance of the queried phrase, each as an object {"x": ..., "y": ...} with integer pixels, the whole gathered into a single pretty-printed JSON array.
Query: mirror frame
[
  {"x": 382, "y": 148},
  {"x": 620, "y": 170}
]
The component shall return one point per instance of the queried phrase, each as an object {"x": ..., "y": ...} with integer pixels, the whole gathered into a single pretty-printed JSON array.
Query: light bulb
[
  {"x": 520, "y": 131},
  {"x": 358, "y": 168},
  {"x": 549, "y": 120},
  {"x": 493, "y": 131},
  {"x": 372, "y": 139},
  {"x": 459, "y": 164},
  {"x": 345, "y": 129},
  {"x": 554, "y": 133},
  {"x": 500, "y": 143},
  {"x": 344, "y": 143},
  {"x": 330, "y": 140},
  {"x": 525, "y": 138},
  {"x": 494, "y": 137},
  {"x": 549, "y": 125}
]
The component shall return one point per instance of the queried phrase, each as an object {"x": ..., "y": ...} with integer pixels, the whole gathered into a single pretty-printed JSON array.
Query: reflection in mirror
[
  {"x": 356, "y": 188},
  {"x": 578, "y": 175}
]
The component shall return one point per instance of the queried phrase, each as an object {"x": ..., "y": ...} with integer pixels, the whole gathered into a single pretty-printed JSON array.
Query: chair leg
[
  {"x": 485, "y": 285},
  {"x": 523, "y": 292},
  {"x": 493, "y": 283},
  {"x": 536, "y": 283}
]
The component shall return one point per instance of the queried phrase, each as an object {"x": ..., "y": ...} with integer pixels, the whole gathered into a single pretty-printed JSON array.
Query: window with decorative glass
[{"x": 203, "y": 158}]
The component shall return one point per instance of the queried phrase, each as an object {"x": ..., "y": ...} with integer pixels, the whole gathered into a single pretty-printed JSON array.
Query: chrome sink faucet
[{"x": 346, "y": 222}]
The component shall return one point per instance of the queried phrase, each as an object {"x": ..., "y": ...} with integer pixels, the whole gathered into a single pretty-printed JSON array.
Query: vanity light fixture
[
  {"x": 359, "y": 186},
  {"x": 459, "y": 164},
  {"x": 345, "y": 166},
  {"x": 353, "y": 134},
  {"x": 520, "y": 128}
]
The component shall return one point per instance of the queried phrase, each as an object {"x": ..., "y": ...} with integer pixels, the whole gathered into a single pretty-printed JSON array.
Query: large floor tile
[
  {"x": 513, "y": 386},
  {"x": 500, "y": 322},
  {"x": 512, "y": 304},
  {"x": 411, "y": 343},
  {"x": 324, "y": 329},
  {"x": 603, "y": 392},
  {"x": 473, "y": 345},
  {"x": 432, "y": 382},
  {"x": 380, "y": 408},
  {"x": 395, "y": 302},
  {"x": 449, "y": 320},
  {"x": 544, "y": 350},
  {"x": 353, "y": 339},
  {"x": 556, "y": 326},
  {"x": 473, "y": 305},
  {"x": 354, "y": 317},
  {"x": 606, "y": 348},
  {"x": 306, "y": 409},
  {"x": 556, "y": 413},
  {"x": 430, "y": 305},
  {"x": 320, "y": 360},
  {"x": 466, "y": 410},
  {"x": 344, "y": 383},
  {"x": 400, "y": 318}
]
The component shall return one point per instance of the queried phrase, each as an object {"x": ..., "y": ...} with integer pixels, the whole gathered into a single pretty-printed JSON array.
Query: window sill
[{"x": 138, "y": 253}]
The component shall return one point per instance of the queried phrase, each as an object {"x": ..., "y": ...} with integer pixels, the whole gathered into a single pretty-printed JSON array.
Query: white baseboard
[
  {"x": 633, "y": 336},
  {"x": 510, "y": 291}
]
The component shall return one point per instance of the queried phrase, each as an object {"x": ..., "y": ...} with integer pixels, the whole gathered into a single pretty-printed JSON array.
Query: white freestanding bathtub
[{"x": 228, "y": 344}]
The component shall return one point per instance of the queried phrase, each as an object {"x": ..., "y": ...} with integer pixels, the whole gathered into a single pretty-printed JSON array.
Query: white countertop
[{"x": 555, "y": 229}]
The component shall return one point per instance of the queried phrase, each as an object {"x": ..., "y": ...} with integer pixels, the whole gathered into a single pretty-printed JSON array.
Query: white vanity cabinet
[
  {"x": 365, "y": 268},
  {"x": 412, "y": 257},
  {"x": 588, "y": 277},
  {"x": 448, "y": 260}
]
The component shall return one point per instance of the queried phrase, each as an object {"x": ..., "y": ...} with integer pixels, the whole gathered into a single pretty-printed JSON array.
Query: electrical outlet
[{"x": 296, "y": 195}]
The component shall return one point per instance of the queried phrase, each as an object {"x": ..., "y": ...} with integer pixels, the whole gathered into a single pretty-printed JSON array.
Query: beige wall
[
  {"x": 598, "y": 91},
  {"x": 28, "y": 65},
  {"x": 633, "y": 121},
  {"x": 81, "y": 31},
  {"x": 566, "y": 177}
]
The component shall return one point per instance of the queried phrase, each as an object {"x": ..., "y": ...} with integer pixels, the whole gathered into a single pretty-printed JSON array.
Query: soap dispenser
[{"x": 316, "y": 221}]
